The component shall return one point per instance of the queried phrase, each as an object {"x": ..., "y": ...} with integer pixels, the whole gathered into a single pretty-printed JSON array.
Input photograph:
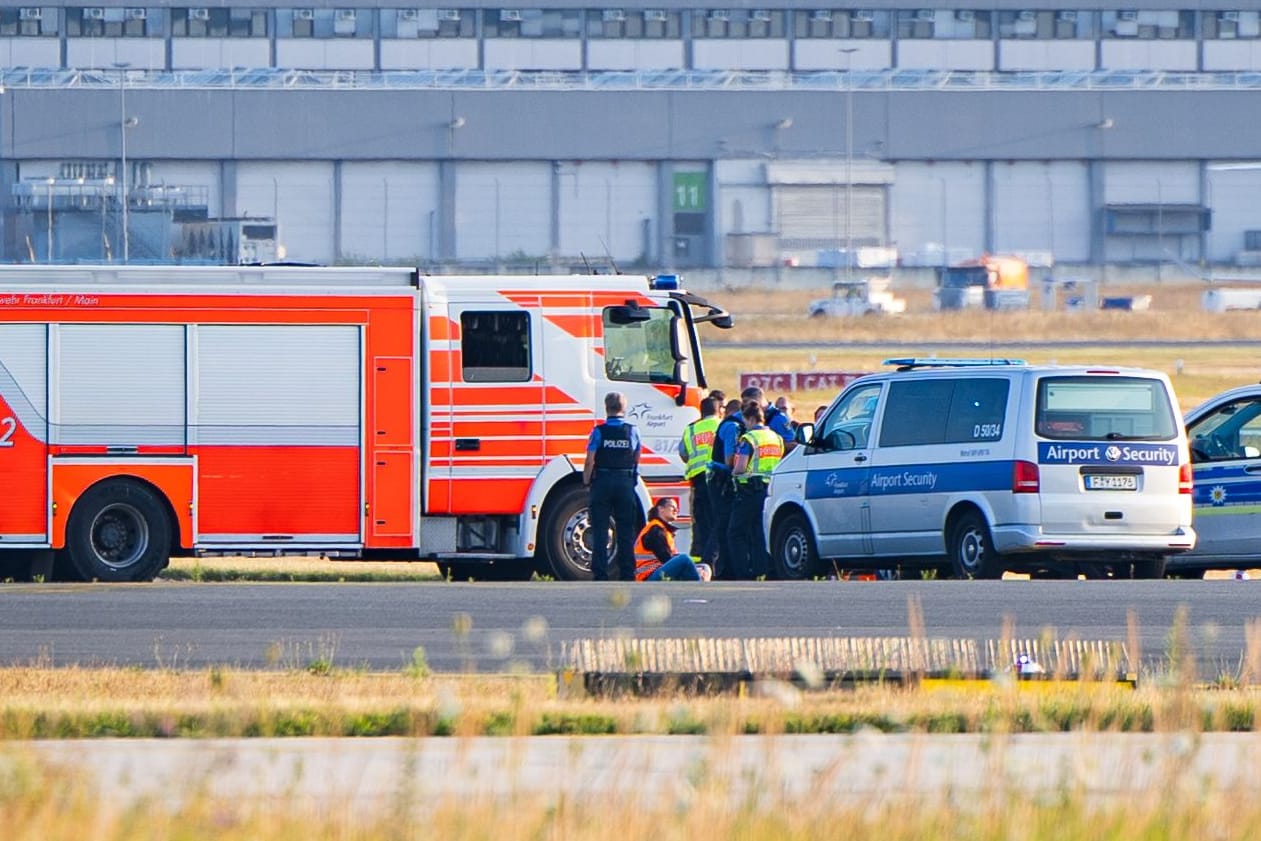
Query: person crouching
[{"x": 655, "y": 556}]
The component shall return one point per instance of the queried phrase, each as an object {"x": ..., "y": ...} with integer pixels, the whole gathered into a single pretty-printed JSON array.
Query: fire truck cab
[{"x": 154, "y": 411}]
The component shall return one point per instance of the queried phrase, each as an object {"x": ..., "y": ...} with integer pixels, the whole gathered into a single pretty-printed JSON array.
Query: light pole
[
  {"x": 51, "y": 182},
  {"x": 124, "y": 123},
  {"x": 848, "y": 52},
  {"x": 945, "y": 232},
  {"x": 105, "y": 191},
  {"x": 3, "y": 207}
]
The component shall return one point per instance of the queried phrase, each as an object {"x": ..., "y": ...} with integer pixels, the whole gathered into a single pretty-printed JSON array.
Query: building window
[
  {"x": 1148, "y": 24},
  {"x": 495, "y": 346},
  {"x": 1231, "y": 24},
  {"x": 309, "y": 22},
  {"x": 1060, "y": 24},
  {"x": 102, "y": 22},
  {"x": 204, "y": 22},
  {"x": 428, "y": 23},
  {"x": 628, "y": 23},
  {"x": 32, "y": 21},
  {"x": 532, "y": 23},
  {"x": 738, "y": 23},
  {"x": 841, "y": 23},
  {"x": 944, "y": 23}
]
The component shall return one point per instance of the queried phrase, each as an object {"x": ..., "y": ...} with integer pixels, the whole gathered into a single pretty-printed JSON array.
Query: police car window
[
  {"x": 495, "y": 346},
  {"x": 1105, "y": 408},
  {"x": 640, "y": 352},
  {"x": 1230, "y": 432}
]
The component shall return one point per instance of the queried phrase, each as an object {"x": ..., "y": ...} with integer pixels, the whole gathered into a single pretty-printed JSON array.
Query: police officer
[
  {"x": 611, "y": 471},
  {"x": 759, "y": 450},
  {"x": 722, "y": 489},
  {"x": 695, "y": 450}
]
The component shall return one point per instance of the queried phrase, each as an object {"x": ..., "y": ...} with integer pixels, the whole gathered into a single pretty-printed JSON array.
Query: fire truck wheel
[
  {"x": 563, "y": 540},
  {"x": 118, "y": 531}
]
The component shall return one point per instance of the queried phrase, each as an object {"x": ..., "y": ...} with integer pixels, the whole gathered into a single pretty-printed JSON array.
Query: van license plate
[{"x": 1111, "y": 483}]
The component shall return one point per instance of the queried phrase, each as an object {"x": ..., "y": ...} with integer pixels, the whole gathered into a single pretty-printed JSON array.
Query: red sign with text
[{"x": 773, "y": 383}]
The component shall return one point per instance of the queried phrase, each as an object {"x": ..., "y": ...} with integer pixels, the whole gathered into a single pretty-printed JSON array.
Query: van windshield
[{"x": 1105, "y": 409}]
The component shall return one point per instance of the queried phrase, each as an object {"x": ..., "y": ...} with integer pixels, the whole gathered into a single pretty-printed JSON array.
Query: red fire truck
[{"x": 378, "y": 413}]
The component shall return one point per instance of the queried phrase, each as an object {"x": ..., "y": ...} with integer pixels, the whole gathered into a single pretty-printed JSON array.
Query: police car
[
  {"x": 1224, "y": 434},
  {"x": 976, "y": 467}
]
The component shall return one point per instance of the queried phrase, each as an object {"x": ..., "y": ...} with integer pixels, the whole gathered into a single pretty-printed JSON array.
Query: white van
[{"x": 976, "y": 467}]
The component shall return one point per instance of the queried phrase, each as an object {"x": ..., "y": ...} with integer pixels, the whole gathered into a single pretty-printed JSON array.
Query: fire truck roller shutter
[{"x": 276, "y": 426}]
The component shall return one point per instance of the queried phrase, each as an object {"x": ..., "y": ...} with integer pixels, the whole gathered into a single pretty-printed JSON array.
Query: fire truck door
[
  {"x": 496, "y": 436},
  {"x": 24, "y": 434}
]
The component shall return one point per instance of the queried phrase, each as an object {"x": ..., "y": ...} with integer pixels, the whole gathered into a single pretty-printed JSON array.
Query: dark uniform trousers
[
  {"x": 613, "y": 497},
  {"x": 748, "y": 538},
  {"x": 704, "y": 541},
  {"x": 722, "y": 496}
]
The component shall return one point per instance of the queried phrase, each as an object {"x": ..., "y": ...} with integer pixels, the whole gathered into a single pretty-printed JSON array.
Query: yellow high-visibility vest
[{"x": 698, "y": 443}]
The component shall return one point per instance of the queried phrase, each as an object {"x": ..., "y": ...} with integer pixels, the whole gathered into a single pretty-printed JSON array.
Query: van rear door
[{"x": 1109, "y": 450}]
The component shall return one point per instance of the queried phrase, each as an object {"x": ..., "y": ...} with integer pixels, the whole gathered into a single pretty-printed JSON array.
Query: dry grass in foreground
[
  {"x": 41, "y": 805},
  {"x": 39, "y": 703},
  {"x": 296, "y": 568}
]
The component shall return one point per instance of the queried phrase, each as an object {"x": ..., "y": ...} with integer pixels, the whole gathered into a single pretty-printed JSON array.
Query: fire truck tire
[
  {"x": 119, "y": 530},
  {"x": 563, "y": 539}
]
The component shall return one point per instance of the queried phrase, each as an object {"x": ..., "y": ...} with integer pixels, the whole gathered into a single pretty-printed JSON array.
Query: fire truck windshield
[{"x": 641, "y": 351}]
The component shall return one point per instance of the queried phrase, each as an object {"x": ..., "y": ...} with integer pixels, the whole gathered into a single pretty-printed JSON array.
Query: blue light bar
[
  {"x": 665, "y": 281},
  {"x": 909, "y": 362}
]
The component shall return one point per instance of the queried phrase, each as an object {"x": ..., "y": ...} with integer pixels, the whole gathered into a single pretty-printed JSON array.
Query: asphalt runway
[{"x": 489, "y": 627}]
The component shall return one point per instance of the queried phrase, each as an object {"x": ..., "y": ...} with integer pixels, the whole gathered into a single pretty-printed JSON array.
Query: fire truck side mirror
[
  {"x": 682, "y": 376},
  {"x": 628, "y": 315}
]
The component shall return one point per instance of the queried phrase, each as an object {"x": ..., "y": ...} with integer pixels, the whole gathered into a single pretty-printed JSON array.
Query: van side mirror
[{"x": 804, "y": 434}]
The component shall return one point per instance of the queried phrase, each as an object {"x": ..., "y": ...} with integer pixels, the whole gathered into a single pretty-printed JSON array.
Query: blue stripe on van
[
  {"x": 1102, "y": 452},
  {"x": 903, "y": 479}
]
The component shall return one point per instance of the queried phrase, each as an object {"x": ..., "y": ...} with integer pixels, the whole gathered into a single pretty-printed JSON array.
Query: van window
[
  {"x": 944, "y": 411},
  {"x": 848, "y": 425},
  {"x": 1105, "y": 408}
]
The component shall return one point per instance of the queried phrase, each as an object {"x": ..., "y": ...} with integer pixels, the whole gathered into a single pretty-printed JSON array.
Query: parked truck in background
[
  {"x": 991, "y": 281},
  {"x": 154, "y": 411}
]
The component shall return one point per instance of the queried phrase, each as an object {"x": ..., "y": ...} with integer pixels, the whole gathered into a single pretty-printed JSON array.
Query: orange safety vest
[{"x": 646, "y": 562}]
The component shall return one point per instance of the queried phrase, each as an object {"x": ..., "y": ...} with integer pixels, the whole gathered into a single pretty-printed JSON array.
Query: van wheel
[
  {"x": 972, "y": 550},
  {"x": 795, "y": 555},
  {"x": 118, "y": 531},
  {"x": 565, "y": 535}
]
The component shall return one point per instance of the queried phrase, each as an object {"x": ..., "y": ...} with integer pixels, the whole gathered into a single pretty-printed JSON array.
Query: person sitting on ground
[{"x": 655, "y": 556}]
